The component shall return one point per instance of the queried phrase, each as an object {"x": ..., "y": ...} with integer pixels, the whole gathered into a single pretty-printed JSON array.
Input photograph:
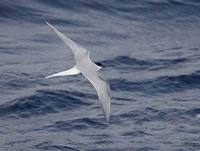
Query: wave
[
  {"x": 193, "y": 112},
  {"x": 165, "y": 84},
  {"x": 13, "y": 11},
  {"x": 76, "y": 124},
  {"x": 38, "y": 11},
  {"x": 44, "y": 102},
  {"x": 50, "y": 146},
  {"x": 149, "y": 114},
  {"x": 127, "y": 63}
]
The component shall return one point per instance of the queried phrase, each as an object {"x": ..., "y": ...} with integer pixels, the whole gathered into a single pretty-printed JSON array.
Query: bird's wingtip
[
  {"x": 108, "y": 119},
  {"x": 47, "y": 77},
  {"x": 46, "y": 22}
]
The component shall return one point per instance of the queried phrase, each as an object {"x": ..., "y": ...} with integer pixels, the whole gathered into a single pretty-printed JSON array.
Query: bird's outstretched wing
[
  {"x": 103, "y": 90},
  {"x": 79, "y": 51},
  {"x": 76, "y": 48}
]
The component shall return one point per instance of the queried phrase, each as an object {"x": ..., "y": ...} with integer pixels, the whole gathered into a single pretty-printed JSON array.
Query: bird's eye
[{"x": 98, "y": 64}]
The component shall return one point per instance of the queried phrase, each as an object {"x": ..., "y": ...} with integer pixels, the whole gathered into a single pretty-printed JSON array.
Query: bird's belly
[{"x": 85, "y": 65}]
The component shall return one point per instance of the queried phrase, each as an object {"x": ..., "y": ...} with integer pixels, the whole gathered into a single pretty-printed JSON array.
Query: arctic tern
[{"x": 88, "y": 68}]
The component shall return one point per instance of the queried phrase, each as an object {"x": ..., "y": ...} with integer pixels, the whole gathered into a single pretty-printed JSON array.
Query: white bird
[{"x": 88, "y": 68}]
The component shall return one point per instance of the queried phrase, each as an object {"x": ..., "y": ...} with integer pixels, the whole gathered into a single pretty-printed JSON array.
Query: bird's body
[{"x": 88, "y": 68}]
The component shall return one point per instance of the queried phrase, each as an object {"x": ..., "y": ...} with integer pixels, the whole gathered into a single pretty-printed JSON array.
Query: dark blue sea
[{"x": 151, "y": 53}]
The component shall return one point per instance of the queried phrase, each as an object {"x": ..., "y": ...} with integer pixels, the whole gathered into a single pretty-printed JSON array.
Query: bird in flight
[{"x": 88, "y": 68}]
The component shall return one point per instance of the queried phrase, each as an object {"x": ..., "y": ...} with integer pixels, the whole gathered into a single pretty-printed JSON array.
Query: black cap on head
[{"x": 99, "y": 64}]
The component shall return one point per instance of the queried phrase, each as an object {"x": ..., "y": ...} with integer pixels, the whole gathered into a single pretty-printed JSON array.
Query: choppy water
[{"x": 151, "y": 50}]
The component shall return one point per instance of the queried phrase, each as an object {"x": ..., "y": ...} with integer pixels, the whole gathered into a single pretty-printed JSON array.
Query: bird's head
[{"x": 99, "y": 64}]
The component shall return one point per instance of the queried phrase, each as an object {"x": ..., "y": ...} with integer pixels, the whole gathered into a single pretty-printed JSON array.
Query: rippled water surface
[{"x": 151, "y": 51}]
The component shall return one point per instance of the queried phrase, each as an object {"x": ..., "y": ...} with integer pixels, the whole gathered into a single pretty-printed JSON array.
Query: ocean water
[{"x": 151, "y": 51}]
